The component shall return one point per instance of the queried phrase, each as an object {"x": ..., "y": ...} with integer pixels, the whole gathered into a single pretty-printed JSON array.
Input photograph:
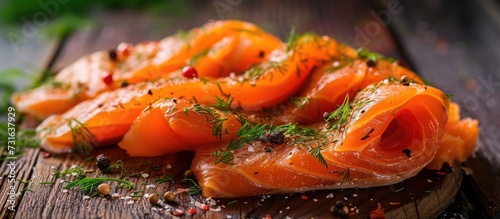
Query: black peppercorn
[
  {"x": 338, "y": 210},
  {"x": 264, "y": 139},
  {"x": 371, "y": 63},
  {"x": 407, "y": 152},
  {"x": 276, "y": 137},
  {"x": 124, "y": 84},
  {"x": 112, "y": 55},
  {"x": 102, "y": 162},
  {"x": 261, "y": 54},
  {"x": 405, "y": 81}
]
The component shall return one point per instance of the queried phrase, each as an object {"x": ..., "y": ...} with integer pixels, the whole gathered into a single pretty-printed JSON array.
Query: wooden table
[{"x": 454, "y": 45}]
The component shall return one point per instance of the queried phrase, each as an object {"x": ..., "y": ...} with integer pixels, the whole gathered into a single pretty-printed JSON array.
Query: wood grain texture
[
  {"x": 425, "y": 195},
  {"x": 336, "y": 19}
]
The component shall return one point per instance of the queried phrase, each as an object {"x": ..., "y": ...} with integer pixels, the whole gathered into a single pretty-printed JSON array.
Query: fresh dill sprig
[
  {"x": 164, "y": 179},
  {"x": 197, "y": 56},
  {"x": 316, "y": 153},
  {"x": 117, "y": 165},
  {"x": 195, "y": 188},
  {"x": 346, "y": 174},
  {"x": 223, "y": 104},
  {"x": 291, "y": 39},
  {"x": 251, "y": 132},
  {"x": 212, "y": 116},
  {"x": 88, "y": 184},
  {"x": 70, "y": 171},
  {"x": 339, "y": 117},
  {"x": 365, "y": 53},
  {"x": 83, "y": 139},
  {"x": 258, "y": 71}
]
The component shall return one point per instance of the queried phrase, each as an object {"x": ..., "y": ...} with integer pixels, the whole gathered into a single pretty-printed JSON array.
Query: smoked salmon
[
  {"x": 367, "y": 149},
  {"x": 108, "y": 116},
  {"x": 260, "y": 115},
  {"x": 211, "y": 49}
]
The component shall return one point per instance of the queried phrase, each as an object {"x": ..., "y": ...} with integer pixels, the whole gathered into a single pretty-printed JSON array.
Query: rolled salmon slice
[
  {"x": 344, "y": 155},
  {"x": 214, "y": 44},
  {"x": 330, "y": 83}
]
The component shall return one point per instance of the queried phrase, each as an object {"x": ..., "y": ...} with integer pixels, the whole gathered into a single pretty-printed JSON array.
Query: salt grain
[
  {"x": 150, "y": 186},
  {"x": 130, "y": 202},
  {"x": 169, "y": 166},
  {"x": 354, "y": 195},
  {"x": 144, "y": 175},
  {"x": 329, "y": 195},
  {"x": 85, "y": 197}
]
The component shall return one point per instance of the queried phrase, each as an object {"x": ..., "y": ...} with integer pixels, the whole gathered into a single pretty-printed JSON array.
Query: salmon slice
[
  {"x": 367, "y": 149},
  {"x": 284, "y": 70},
  {"x": 212, "y": 49},
  {"x": 330, "y": 83},
  {"x": 173, "y": 125},
  {"x": 459, "y": 139}
]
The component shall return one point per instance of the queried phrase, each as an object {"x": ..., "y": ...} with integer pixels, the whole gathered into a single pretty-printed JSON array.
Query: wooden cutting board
[{"x": 423, "y": 196}]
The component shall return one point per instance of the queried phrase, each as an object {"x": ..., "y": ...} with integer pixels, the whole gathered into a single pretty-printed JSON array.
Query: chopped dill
[
  {"x": 70, "y": 171},
  {"x": 291, "y": 39},
  {"x": 339, "y": 117},
  {"x": 212, "y": 116},
  {"x": 164, "y": 179},
  {"x": 197, "y": 56},
  {"x": 195, "y": 188},
  {"x": 365, "y": 53},
  {"x": 399, "y": 190},
  {"x": 346, "y": 174},
  {"x": 117, "y": 165},
  {"x": 316, "y": 153},
  {"x": 251, "y": 132},
  {"x": 83, "y": 139}
]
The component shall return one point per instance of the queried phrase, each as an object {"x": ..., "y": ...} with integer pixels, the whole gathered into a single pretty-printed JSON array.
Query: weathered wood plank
[
  {"x": 456, "y": 47},
  {"x": 425, "y": 195},
  {"x": 12, "y": 191},
  {"x": 25, "y": 49}
]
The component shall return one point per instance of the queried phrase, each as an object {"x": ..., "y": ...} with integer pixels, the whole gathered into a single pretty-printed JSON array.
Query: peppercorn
[
  {"x": 405, "y": 80},
  {"x": 124, "y": 84},
  {"x": 277, "y": 137},
  {"x": 264, "y": 139},
  {"x": 154, "y": 199},
  {"x": 169, "y": 196},
  {"x": 407, "y": 152},
  {"x": 188, "y": 174},
  {"x": 113, "y": 55},
  {"x": 371, "y": 63},
  {"x": 261, "y": 54},
  {"x": 103, "y": 189},
  {"x": 103, "y": 162},
  {"x": 339, "y": 210}
]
